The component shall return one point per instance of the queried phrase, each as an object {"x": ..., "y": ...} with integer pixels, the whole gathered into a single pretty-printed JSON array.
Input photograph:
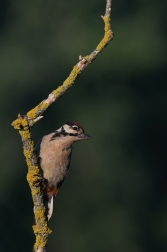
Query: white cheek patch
[{"x": 68, "y": 129}]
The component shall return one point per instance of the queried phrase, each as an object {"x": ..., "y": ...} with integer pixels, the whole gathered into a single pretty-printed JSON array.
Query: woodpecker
[{"x": 54, "y": 156}]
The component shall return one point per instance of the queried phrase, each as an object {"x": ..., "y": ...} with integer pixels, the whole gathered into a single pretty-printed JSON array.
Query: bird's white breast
[{"x": 55, "y": 157}]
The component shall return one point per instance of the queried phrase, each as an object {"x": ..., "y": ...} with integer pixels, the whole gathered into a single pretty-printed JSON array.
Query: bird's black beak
[{"x": 85, "y": 136}]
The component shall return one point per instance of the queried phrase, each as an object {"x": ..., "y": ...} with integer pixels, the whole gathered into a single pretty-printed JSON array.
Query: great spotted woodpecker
[{"x": 54, "y": 155}]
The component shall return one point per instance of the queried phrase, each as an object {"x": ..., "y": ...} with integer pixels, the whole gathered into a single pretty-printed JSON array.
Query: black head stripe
[
  {"x": 59, "y": 134},
  {"x": 72, "y": 134},
  {"x": 54, "y": 136},
  {"x": 63, "y": 132}
]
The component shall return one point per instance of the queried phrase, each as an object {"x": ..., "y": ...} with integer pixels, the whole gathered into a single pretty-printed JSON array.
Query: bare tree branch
[
  {"x": 24, "y": 123},
  {"x": 108, "y": 8}
]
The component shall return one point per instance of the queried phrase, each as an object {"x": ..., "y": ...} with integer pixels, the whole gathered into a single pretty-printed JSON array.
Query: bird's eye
[{"x": 75, "y": 127}]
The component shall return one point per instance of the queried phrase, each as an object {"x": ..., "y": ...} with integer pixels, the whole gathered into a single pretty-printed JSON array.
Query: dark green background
[{"x": 115, "y": 196}]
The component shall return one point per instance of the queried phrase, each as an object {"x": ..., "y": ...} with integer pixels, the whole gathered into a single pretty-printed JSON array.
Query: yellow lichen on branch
[
  {"x": 34, "y": 179},
  {"x": 108, "y": 34},
  {"x": 38, "y": 110},
  {"x": 67, "y": 83},
  {"x": 55, "y": 94},
  {"x": 41, "y": 235}
]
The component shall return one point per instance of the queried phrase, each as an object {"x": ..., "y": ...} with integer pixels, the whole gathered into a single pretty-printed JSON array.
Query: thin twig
[
  {"x": 24, "y": 123},
  {"x": 108, "y": 8}
]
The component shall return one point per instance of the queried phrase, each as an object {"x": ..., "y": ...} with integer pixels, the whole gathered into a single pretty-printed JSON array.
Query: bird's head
[{"x": 72, "y": 130}]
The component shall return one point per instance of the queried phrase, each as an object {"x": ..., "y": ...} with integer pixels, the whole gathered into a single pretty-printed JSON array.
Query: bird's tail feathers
[{"x": 49, "y": 206}]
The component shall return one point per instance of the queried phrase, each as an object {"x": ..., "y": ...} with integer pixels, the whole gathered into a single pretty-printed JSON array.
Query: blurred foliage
[{"x": 115, "y": 196}]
